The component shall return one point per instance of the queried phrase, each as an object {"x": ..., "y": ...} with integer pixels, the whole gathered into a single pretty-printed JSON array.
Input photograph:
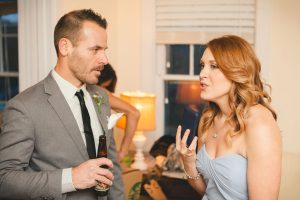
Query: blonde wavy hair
[{"x": 236, "y": 59}]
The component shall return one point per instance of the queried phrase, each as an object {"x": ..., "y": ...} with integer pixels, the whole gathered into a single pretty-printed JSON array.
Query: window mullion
[{"x": 191, "y": 71}]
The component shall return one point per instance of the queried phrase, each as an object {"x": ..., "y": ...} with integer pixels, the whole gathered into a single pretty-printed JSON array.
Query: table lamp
[{"x": 145, "y": 103}]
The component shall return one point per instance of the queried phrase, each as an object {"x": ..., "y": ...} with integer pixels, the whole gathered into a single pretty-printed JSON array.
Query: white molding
[
  {"x": 263, "y": 39},
  {"x": 148, "y": 64},
  {"x": 36, "y": 49}
]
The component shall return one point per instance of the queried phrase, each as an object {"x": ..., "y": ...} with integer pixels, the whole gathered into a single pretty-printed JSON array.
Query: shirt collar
[{"x": 66, "y": 87}]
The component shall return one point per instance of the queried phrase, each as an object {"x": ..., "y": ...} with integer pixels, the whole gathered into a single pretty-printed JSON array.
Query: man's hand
[{"x": 88, "y": 174}]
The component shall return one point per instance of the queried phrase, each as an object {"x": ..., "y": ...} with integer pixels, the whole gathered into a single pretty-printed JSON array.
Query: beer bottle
[{"x": 102, "y": 189}]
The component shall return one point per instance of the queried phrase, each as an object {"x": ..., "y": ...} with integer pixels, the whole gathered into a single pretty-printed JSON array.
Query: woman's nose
[{"x": 203, "y": 72}]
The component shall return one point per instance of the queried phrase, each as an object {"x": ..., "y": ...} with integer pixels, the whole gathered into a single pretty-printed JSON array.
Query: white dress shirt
[{"x": 69, "y": 90}]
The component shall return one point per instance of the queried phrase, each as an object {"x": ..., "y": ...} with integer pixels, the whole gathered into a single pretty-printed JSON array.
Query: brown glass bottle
[{"x": 102, "y": 189}]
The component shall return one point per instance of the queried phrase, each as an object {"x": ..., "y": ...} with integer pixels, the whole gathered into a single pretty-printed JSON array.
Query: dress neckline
[{"x": 222, "y": 156}]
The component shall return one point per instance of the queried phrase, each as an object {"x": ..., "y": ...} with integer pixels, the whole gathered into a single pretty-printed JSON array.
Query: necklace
[
  {"x": 215, "y": 135},
  {"x": 221, "y": 127}
]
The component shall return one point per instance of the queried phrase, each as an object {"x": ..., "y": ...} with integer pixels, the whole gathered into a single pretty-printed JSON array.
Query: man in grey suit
[{"x": 43, "y": 143}]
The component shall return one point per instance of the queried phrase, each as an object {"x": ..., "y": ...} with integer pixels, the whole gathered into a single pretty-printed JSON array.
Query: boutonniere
[{"x": 99, "y": 100}]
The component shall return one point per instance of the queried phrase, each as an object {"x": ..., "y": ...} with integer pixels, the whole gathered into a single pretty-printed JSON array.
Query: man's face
[{"x": 87, "y": 57}]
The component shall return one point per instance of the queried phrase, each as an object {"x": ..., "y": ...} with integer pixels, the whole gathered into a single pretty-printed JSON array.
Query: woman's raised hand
[{"x": 188, "y": 153}]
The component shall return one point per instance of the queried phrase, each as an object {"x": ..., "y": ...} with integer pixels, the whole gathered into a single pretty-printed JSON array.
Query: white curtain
[{"x": 37, "y": 56}]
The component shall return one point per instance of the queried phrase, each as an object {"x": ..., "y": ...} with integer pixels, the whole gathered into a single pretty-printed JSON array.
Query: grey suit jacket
[{"x": 40, "y": 137}]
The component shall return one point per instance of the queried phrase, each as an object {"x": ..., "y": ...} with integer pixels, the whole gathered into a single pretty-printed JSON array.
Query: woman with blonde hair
[{"x": 239, "y": 145}]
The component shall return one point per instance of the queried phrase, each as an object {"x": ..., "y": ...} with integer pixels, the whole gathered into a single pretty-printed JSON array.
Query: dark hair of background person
[
  {"x": 108, "y": 74},
  {"x": 70, "y": 24}
]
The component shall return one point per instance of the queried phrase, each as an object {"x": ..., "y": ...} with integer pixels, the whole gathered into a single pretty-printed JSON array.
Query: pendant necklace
[{"x": 215, "y": 135}]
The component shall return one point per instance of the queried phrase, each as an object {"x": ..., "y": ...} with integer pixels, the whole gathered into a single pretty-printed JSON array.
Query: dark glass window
[
  {"x": 181, "y": 95},
  {"x": 178, "y": 59},
  {"x": 198, "y": 52},
  {"x": 8, "y": 82},
  {"x": 10, "y": 55},
  {"x": 178, "y": 95},
  {"x": 9, "y": 62}
]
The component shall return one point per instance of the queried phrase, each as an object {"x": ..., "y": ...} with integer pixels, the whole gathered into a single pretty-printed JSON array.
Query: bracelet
[{"x": 192, "y": 177}]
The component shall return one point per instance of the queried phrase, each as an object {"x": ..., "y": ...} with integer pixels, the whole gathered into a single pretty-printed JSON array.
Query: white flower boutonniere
[{"x": 99, "y": 100}]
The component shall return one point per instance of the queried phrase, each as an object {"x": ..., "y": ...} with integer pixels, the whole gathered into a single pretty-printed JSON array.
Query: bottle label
[{"x": 101, "y": 187}]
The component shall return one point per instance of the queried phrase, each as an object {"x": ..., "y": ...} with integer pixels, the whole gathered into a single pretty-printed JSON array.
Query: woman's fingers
[
  {"x": 193, "y": 145},
  {"x": 181, "y": 142},
  {"x": 184, "y": 138},
  {"x": 178, "y": 138}
]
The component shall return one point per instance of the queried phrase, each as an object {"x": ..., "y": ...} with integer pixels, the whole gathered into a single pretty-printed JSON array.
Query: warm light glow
[
  {"x": 145, "y": 103},
  {"x": 188, "y": 92}
]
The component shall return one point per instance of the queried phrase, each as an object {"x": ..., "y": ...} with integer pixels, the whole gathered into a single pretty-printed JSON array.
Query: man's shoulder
[
  {"x": 31, "y": 92},
  {"x": 95, "y": 89}
]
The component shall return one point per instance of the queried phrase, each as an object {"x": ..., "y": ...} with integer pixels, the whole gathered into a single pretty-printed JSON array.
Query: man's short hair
[{"x": 70, "y": 24}]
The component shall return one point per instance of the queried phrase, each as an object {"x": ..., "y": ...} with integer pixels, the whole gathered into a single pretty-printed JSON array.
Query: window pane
[
  {"x": 9, "y": 87},
  {"x": 178, "y": 59},
  {"x": 9, "y": 23},
  {"x": 178, "y": 95},
  {"x": 10, "y": 54},
  {"x": 198, "y": 52},
  {"x": 9, "y": 81}
]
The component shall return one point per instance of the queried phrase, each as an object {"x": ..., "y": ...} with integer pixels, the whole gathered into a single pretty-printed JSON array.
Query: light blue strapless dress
[{"x": 225, "y": 176}]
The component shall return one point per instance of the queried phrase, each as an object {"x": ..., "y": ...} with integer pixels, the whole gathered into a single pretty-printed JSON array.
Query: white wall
[{"x": 284, "y": 69}]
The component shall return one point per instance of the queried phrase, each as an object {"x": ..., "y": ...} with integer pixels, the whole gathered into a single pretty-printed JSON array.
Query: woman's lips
[{"x": 203, "y": 85}]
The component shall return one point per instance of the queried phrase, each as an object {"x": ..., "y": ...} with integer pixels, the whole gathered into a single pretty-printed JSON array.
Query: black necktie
[{"x": 89, "y": 138}]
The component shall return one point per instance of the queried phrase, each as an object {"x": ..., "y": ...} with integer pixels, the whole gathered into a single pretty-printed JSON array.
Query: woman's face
[{"x": 214, "y": 85}]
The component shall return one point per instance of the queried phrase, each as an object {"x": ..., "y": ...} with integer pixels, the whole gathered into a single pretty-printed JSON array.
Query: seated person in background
[{"x": 107, "y": 81}]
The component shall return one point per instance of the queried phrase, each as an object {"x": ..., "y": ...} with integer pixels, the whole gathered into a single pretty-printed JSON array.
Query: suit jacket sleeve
[{"x": 16, "y": 149}]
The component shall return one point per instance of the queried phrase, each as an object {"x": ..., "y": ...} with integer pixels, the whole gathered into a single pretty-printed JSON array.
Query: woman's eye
[
  {"x": 214, "y": 66},
  {"x": 201, "y": 65}
]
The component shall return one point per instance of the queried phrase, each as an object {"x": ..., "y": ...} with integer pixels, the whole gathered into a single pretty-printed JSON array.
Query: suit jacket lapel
[
  {"x": 102, "y": 117},
  {"x": 65, "y": 114}
]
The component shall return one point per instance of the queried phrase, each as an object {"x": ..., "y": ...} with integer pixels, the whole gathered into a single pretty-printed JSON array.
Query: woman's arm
[
  {"x": 188, "y": 155},
  {"x": 263, "y": 146}
]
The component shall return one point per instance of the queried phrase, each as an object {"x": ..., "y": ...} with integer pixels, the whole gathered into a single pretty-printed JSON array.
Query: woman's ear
[{"x": 64, "y": 46}]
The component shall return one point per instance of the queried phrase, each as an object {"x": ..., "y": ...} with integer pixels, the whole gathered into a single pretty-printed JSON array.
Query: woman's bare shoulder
[
  {"x": 261, "y": 128},
  {"x": 259, "y": 115}
]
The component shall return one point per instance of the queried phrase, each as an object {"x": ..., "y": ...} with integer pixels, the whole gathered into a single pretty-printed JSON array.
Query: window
[
  {"x": 9, "y": 81},
  {"x": 182, "y": 29},
  {"x": 180, "y": 82}
]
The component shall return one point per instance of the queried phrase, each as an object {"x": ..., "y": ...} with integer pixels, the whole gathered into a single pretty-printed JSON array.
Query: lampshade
[
  {"x": 145, "y": 103},
  {"x": 188, "y": 92}
]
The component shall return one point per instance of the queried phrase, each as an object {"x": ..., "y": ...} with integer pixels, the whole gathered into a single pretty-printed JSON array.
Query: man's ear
[{"x": 64, "y": 46}]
